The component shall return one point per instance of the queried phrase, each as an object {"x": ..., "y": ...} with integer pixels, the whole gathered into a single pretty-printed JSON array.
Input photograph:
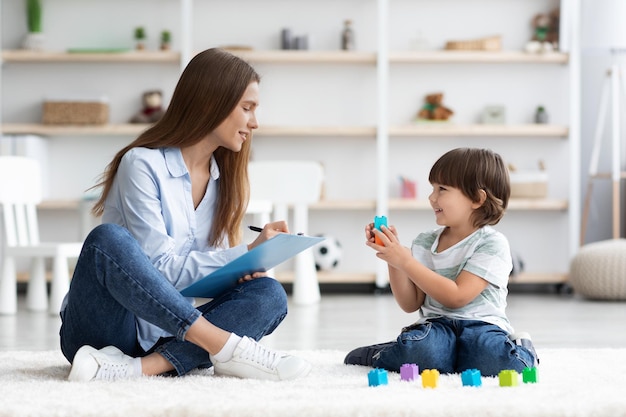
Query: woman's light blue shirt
[{"x": 151, "y": 197}]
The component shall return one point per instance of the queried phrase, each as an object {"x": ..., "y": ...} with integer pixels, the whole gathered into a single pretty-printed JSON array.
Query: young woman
[
  {"x": 172, "y": 204},
  {"x": 456, "y": 276}
]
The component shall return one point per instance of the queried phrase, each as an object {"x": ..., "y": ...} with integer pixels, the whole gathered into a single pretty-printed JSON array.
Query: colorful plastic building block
[
  {"x": 508, "y": 378},
  {"x": 379, "y": 221},
  {"x": 529, "y": 375},
  {"x": 471, "y": 378},
  {"x": 409, "y": 372},
  {"x": 430, "y": 377},
  {"x": 377, "y": 377}
]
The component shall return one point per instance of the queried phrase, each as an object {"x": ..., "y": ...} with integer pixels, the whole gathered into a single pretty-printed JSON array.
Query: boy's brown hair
[{"x": 471, "y": 170}]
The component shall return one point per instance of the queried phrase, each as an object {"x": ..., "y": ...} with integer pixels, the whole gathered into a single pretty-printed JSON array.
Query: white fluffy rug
[{"x": 572, "y": 382}]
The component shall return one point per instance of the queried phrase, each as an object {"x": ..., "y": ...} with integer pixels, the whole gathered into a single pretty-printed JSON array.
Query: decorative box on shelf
[
  {"x": 529, "y": 184},
  {"x": 76, "y": 111}
]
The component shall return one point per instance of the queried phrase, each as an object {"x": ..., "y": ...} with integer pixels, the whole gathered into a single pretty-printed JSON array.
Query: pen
[{"x": 260, "y": 229}]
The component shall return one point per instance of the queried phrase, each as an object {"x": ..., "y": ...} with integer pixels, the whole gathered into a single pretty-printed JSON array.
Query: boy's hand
[{"x": 391, "y": 251}]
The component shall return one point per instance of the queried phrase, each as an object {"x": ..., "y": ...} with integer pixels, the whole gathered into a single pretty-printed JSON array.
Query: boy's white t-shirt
[{"x": 485, "y": 253}]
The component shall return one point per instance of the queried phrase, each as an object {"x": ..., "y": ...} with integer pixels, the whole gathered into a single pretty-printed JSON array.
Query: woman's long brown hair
[{"x": 208, "y": 90}]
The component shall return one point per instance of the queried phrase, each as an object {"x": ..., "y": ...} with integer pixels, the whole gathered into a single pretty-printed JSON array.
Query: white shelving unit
[{"x": 377, "y": 135}]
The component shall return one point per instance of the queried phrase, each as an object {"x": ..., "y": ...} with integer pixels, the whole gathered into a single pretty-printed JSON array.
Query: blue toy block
[
  {"x": 529, "y": 375},
  {"x": 377, "y": 377},
  {"x": 508, "y": 378},
  {"x": 409, "y": 372},
  {"x": 471, "y": 378}
]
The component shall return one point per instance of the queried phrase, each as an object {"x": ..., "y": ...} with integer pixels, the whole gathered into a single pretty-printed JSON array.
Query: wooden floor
[{"x": 344, "y": 321}]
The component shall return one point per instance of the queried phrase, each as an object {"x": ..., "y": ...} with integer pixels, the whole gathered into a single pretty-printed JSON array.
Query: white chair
[
  {"x": 20, "y": 192},
  {"x": 297, "y": 184}
]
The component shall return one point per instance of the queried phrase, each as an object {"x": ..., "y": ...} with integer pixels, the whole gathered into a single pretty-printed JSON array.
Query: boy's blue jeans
[
  {"x": 452, "y": 346},
  {"x": 114, "y": 283}
]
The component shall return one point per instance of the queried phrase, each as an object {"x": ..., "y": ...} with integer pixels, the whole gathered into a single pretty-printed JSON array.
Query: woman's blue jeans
[
  {"x": 114, "y": 283},
  {"x": 453, "y": 346}
]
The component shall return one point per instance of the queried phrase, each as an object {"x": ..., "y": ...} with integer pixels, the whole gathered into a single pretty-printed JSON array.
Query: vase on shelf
[{"x": 34, "y": 39}]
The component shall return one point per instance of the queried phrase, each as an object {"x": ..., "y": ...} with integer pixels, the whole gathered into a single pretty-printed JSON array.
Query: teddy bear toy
[
  {"x": 434, "y": 109},
  {"x": 152, "y": 108},
  {"x": 545, "y": 32}
]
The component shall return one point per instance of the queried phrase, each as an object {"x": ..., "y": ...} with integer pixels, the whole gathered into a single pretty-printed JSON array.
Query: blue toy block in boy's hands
[
  {"x": 471, "y": 378},
  {"x": 378, "y": 222},
  {"x": 377, "y": 377}
]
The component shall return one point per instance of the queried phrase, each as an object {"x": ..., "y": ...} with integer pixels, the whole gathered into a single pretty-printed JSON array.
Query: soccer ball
[{"x": 327, "y": 253}]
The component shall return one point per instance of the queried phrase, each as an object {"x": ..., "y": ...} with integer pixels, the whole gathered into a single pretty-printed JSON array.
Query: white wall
[{"x": 318, "y": 95}]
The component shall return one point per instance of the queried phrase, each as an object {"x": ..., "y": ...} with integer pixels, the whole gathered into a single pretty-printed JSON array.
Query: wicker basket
[
  {"x": 75, "y": 112},
  {"x": 492, "y": 43},
  {"x": 529, "y": 184},
  {"x": 598, "y": 271}
]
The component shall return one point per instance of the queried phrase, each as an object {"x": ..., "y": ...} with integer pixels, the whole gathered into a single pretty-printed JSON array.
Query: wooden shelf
[
  {"x": 516, "y": 204},
  {"x": 539, "y": 278},
  {"x": 306, "y": 57},
  {"x": 286, "y": 277},
  {"x": 60, "y": 56},
  {"x": 430, "y": 129},
  {"x": 127, "y": 129},
  {"x": 479, "y": 57},
  {"x": 327, "y": 131},
  {"x": 297, "y": 57},
  {"x": 425, "y": 130}
]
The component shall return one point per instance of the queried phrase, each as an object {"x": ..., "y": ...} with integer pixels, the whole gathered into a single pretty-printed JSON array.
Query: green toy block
[{"x": 529, "y": 375}]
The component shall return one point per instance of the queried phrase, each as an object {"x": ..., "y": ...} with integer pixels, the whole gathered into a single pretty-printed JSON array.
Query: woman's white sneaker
[
  {"x": 108, "y": 363},
  {"x": 253, "y": 360}
]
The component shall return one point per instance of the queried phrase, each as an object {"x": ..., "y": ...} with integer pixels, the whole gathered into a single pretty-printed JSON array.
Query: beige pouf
[{"x": 598, "y": 271}]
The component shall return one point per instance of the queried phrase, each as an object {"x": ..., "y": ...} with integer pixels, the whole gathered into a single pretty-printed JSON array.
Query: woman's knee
[{"x": 269, "y": 291}]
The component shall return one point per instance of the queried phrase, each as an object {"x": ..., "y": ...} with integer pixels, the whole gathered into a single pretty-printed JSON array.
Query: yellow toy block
[
  {"x": 508, "y": 378},
  {"x": 430, "y": 377}
]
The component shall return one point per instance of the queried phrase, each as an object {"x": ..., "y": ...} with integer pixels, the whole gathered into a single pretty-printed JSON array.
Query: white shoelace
[
  {"x": 258, "y": 353},
  {"x": 111, "y": 371}
]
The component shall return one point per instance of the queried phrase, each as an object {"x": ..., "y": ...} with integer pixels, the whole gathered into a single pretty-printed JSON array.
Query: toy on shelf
[
  {"x": 545, "y": 32},
  {"x": 152, "y": 109},
  {"x": 327, "y": 253},
  {"x": 434, "y": 109},
  {"x": 491, "y": 43}
]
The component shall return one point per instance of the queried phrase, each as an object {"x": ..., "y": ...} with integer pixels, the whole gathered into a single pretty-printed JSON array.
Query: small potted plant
[
  {"x": 140, "y": 38},
  {"x": 35, "y": 38},
  {"x": 166, "y": 39}
]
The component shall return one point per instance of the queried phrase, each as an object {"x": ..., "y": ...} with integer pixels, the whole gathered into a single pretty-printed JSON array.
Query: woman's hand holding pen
[{"x": 269, "y": 231}]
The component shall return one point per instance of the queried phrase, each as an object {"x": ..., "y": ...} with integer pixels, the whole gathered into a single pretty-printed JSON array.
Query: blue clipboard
[{"x": 266, "y": 256}]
